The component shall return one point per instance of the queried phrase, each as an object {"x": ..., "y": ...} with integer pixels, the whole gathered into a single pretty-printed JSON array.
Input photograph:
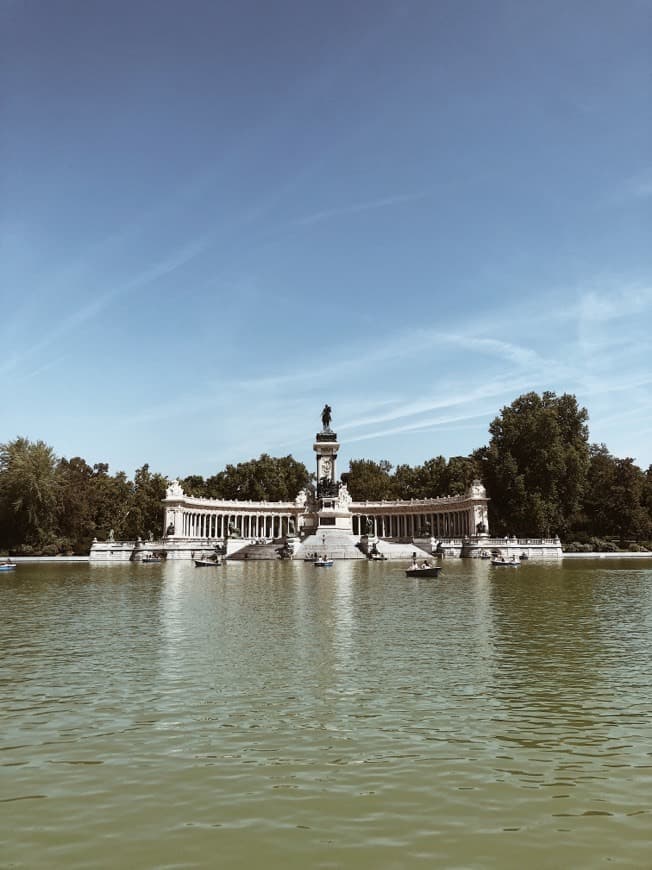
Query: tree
[
  {"x": 630, "y": 517},
  {"x": 597, "y": 514},
  {"x": 112, "y": 499},
  {"x": 195, "y": 485},
  {"x": 647, "y": 495},
  {"x": 28, "y": 493},
  {"x": 405, "y": 482},
  {"x": 368, "y": 480},
  {"x": 436, "y": 477},
  {"x": 267, "y": 478},
  {"x": 536, "y": 464},
  {"x": 615, "y": 497},
  {"x": 146, "y": 511},
  {"x": 76, "y": 513},
  {"x": 459, "y": 474},
  {"x": 431, "y": 478}
]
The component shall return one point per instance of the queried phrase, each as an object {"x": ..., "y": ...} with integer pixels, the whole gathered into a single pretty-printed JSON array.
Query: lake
[{"x": 277, "y": 715}]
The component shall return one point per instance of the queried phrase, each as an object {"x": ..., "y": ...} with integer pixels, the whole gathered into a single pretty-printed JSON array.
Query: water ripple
[{"x": 349, "y": 720}]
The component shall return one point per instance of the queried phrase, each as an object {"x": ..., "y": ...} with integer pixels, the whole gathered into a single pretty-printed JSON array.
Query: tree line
[{"x": 542, "y": 474}]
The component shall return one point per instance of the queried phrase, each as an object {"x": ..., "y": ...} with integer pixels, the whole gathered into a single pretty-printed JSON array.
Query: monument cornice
[
  {"x": 440, "y": 503},
  {"x": 230, "y": 504}
]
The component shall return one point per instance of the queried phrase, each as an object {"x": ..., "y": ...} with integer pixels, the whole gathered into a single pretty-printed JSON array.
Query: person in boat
[{"x": 425, "y": 564}]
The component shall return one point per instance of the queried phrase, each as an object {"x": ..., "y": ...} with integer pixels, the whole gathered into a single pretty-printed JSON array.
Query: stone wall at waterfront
[
  {"x": 472, "y": 547},
  {"x": 136, "y": 551}
]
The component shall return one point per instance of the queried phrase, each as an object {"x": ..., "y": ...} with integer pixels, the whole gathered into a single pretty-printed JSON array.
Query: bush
[
  {"x": 580, "y": 538},
  {"x": 599, "y": 545},
  {"x": 23, "y": 550},
  {"x": 637, "y": 548},
  {"x": 577, "y": 547},
  {"x": 594, "y": 545},
  {"x": 49, "y": 550}
]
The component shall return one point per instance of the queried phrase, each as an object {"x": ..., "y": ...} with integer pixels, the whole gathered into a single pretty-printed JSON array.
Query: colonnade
[
  {"x": 448, "y": 524},
  {"x": 215, "y": 519},
  {"x": 212, "y": 525}
]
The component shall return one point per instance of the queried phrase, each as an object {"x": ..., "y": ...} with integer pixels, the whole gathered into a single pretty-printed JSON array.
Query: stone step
[
  {"x": 253, "y": 552},
  {"x": 331, "y": 543}
]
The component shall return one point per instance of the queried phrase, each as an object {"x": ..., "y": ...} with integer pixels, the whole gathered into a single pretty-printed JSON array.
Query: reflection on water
[{"x": 160, "y": 715}]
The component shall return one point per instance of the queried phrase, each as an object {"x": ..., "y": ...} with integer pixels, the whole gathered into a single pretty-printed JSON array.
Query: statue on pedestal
[
  {"x": 327, "y": 488},
  {"x": 174, "y": 490},
  {"x": 326, "y": 416}
]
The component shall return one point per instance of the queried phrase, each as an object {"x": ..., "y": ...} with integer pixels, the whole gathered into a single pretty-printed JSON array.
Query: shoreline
[
  {"x": 624, "y": 554},
  {"x": 82, "y": 559},
  {"x": 22, "y": 559}
]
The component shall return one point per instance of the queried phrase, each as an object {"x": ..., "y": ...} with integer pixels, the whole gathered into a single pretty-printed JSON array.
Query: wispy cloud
[
  {"x": 102, "y": 300},
  {"x": 640, "y": 186},
  {"x": 422, "y": 425},
  {"x": 399, "y": 346},
  {"x": 617, "y": 304},
  {"x": 356, "y": 208}
]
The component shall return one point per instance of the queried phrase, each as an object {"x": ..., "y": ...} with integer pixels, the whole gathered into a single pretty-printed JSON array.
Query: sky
[{"x": 216, "y": 217}]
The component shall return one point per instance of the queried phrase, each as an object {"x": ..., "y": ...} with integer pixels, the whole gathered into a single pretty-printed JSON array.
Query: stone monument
[{"x": 333, "y": 500}]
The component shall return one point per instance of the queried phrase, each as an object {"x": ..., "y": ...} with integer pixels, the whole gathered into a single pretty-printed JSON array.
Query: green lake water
[{"x": 280, "y": 716}]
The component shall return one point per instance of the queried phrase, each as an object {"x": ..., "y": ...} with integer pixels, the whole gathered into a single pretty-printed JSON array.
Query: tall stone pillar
[{"x": 333, "y": 501}]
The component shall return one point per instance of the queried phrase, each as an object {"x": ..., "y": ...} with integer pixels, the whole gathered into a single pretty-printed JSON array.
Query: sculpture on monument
[
  {"x": 234, "y": 531},
  {"x": 174, "y": 489},
  {"x": 326, "y": 416},
  {"x": 327, "y": 488}
]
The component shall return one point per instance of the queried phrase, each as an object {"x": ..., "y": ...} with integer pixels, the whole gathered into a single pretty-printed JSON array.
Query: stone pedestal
[{"x": 333, "y": 501}]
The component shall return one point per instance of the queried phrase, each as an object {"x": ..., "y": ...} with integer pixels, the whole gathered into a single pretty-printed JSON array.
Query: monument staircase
[
  {"x": 329, "y": 542},
  {"x": 252, "y": 552},
  {"x": 396, "y": 550}
]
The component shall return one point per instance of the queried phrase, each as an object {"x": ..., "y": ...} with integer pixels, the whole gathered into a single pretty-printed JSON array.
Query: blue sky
[{"x": 216, "y": 217}]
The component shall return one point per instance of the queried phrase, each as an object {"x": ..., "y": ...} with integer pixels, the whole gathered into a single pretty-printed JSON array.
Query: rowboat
[
  {"x": 323, "y": 563},
  {"x": 207, "y": 563},
  {"x": 7, "y": 566},
  {"x": 430, "y": 571},
  {"x": 502, "y": 563}
]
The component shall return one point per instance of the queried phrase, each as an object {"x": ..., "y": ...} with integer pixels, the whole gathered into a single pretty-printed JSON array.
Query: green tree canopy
[
  {"x": 112, "y": 501},
  {"x": 535, "y": 466},
  {"x": 616, "y": 498},
  {"x": 368, "y": 480},
  {"x": 29, "y": 493},
  {"x": 195, "y": 485},
  {"x": 459, "y": 474},
  {"x": 77, "y": 509},
  {"x": 145, "y": 516},
  {"x": 267, "y": 478}
]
